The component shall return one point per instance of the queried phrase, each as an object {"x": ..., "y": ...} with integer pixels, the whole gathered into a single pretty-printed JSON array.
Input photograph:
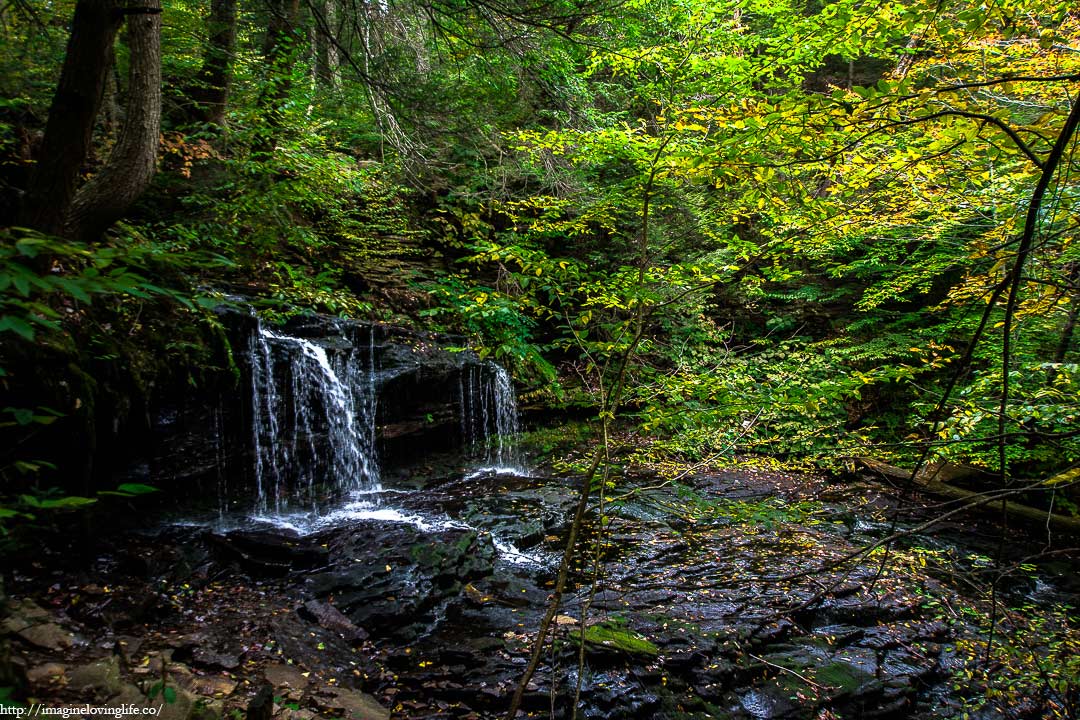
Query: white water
[
  {"x": 318, "y": 439},
  {"x": 489, "y": 420},
  {"x": 356, "y": 510},
  {"x": 313, "y": 432}
]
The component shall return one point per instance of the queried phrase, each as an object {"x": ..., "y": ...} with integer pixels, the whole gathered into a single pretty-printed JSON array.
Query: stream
[{"x": 365, "y": 565}]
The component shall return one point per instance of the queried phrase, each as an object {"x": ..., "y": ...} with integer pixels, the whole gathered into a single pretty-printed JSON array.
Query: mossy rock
[
  {"x": 615, "y": 637},
  {"x": 843, "y": 676}
]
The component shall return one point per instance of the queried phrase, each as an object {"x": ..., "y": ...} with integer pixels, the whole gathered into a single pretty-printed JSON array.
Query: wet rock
[
  {"x": 201, "y": 650},
  {"x": 333, "y": 619},
  {"x": 935, "y": 630},
  {"x": 272, "y": 553},
  {"x": 47, "y": 674},
  {"x": 523, "y": 517},
  {"x": 285, "y": 676},
  {"x": 615, "y": 693},
  {"x": 772, "y": 632},
  {"x": 48, "y": 636},
  {"x": 353, "y": 705},
  {"x": 101, "y": 677},
  {"x": 395, "y": 576},
  {"x": 758, "y": 705},
  {"x": 906, "y": 667},
  {"x": 840, "y": 635},
  {"x": 851, "y": 610},
  {"x": 309, "y": 645},
  {"x": 883, "y": 637},
  {"x": 209, "y": 658}
]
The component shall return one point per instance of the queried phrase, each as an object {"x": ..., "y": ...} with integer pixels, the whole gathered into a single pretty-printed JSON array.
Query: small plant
[{"x": 162, "y": 686}]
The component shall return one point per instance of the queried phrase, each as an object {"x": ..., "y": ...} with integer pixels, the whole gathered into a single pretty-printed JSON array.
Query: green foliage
[
  {"x": 1036, "y": 665},
  {"x": 1033, "y": 659},
  {"x": 40, "y": 277},
  {"x": 790, "y": 215},
  {"x": 500, "y": 323},
  {"x": 42, "y": 507},
  {"x": 162, "y": 688}
]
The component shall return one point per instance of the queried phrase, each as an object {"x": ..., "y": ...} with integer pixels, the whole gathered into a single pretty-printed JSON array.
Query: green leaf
[
  {"x": 17, "y": 325},
  {"x": 136, "y": 488},
  {"x": 23, "y": 416},
  {"x": 72, "y": 501},
  {"x": 22, "y": 284}
]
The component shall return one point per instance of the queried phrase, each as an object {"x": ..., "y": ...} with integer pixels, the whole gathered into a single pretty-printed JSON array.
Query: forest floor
[{"x": 710, "y": 600}]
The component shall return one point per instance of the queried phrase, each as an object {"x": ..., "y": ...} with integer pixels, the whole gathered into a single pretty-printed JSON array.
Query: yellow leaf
[{"x": 1067, "y": 476}]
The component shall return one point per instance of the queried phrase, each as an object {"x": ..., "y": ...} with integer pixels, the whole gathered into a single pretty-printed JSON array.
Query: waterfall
[
  {"x": 313, "y": 413},
  {"x": 313, "y": 420},
  {"x": 489, "y": 418}
]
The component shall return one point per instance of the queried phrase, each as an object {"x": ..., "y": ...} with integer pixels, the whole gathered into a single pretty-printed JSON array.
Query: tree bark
[
  {"x": 279, "y": 48},
  {"x": 70, "y": 126},
  {"x": 210, "y": 92},
  {"x": 110, "y": 101},
  {"x": 325, "y": 54},
  {"x": 131, "y": 166}
]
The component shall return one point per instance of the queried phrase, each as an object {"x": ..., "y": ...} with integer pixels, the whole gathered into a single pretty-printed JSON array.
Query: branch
[
  {"x": 1013, "y": 135},
  {"x": 1008, "y": 79}
]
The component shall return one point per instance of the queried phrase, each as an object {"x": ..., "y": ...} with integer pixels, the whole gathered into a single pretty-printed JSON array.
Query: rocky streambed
[{"x": 708, "y": 601}]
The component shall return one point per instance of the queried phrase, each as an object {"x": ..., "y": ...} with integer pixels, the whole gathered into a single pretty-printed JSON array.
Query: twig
[{"x": 781, "y": 668}]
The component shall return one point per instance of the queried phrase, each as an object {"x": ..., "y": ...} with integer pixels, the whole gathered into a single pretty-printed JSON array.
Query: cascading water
[
  {"x": 313, "y": 431},
  {"x": 489, "y": 418},
  {"x": 317, "y": 440}
]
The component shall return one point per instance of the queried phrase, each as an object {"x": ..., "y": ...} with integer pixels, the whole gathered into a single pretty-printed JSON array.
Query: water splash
[
  {"x": 489, "y": 419},
  {"x": 359, "y": 509},
  {"x": 313, "y": 421}
]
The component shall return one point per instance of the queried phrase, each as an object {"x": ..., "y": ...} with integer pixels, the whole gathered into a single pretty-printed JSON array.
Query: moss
[
  {"x": 841, "y": 675},
  {"x": 437, "y": 554},
  {"x": 616, "y": 636},
  {"x": 429, "y": 554}
]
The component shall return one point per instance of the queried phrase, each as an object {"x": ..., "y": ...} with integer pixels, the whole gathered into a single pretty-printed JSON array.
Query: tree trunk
[
  {"x": 110, "y": 101},
  {"x": 210, "y": 93},
  {"x": 936, "y": 481},
  {"x": 279, "y": 49},
  {"x": 326, "y": 61},
  {"x": 74, "y": 108},
  {"x": 107, "y": 195}
]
